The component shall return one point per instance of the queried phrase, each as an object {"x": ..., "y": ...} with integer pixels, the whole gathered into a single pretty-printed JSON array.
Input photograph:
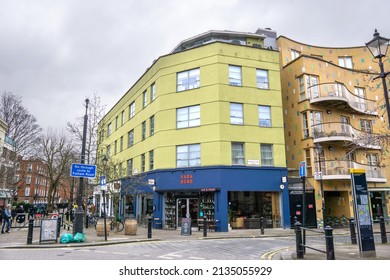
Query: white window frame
[
  {"x": 264, "y": 113},
  {"x": 262, "y": 80},
  {"x": 130, "y": 167},
  {"x": 238, "y": 153},
  {"x": 130, "y": 138},
  {"x": 189, "y": 79},
  {"x": 235, "y": 75},
  {"x": 346, "y": 62},
  {"x": 294, "y": 54},
  {"x": 132, "y": 110},
  {"x": 188, "y": 117},
  {"x": 266, "y": 155},
  {"x": 188, "y": 155},
  {"x": 152, "y": 92},
  {"x": 144, "y": 99},
  {"x": 28, "y": 180},
  {"x": 236, "y": 113},
  {"x": 109, "y": 129}
]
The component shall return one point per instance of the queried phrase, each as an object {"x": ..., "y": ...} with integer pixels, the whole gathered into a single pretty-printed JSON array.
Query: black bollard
[
  {"x": 352, "y": 230},
  {"x": 329, "y": 243},
  {"x": 58, "y": 226},
  {"x": 149, "y": 228},
  {"x": 295, "y": 220},
  {"x": 262, "y": 225},
  {"x": 86, "y": 221},
  {"x": 298, "y": 240},
  {"x": 383, "y": 229},
  {"x": 30, "y": 231},
  {"x": 204, "y": 227}
]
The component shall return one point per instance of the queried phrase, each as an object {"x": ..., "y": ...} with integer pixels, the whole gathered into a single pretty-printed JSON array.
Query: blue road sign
[
  {"x": 302, "y": 169},
  {"x": 102, "y": 180},
  {"x": 83, "y": 170}
]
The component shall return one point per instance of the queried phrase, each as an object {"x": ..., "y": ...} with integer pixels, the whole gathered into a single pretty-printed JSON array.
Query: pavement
[{"x": 17, "y": 239}]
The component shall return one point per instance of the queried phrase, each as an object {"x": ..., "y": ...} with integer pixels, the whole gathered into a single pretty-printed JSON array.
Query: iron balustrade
[
  {"x": 339, "y": 131},
  {"x": 336, "y": 94}
]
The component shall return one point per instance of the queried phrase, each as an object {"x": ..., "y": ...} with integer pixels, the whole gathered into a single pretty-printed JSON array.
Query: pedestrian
[{"x": 6, "y": 218}]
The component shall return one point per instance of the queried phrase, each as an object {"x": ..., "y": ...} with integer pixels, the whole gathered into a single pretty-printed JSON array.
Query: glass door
[{"x": 187, "y": 208}]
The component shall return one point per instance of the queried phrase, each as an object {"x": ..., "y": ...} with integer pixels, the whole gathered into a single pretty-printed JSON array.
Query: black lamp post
[
  {"x": 318, "y": 149},
  {"x": 378, "y": 48},
  {"x": 105, "y": 160},
  {"x": 78, "y": 225}
]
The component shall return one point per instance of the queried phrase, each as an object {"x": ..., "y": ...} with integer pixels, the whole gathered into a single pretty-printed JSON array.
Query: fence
[{"x": 301, "y": 245}]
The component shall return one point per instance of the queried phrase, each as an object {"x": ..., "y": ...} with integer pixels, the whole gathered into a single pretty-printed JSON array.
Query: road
[{"x": 218, "y": 249}]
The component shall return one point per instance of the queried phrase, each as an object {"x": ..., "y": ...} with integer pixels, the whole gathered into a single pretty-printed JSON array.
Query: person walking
[{"x": 6, "y": 218}]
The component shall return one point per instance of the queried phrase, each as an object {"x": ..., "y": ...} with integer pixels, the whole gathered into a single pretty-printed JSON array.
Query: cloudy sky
[{"x": 56, "y": 53}]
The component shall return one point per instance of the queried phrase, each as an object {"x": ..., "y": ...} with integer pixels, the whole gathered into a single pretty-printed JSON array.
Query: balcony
[
  {"x": 337, "y": 96},
  {"x": 339, "y": 170},
  {"x": 344, "y": 132}
]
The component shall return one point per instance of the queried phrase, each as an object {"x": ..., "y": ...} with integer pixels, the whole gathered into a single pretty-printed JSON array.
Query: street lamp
[
  {"x": 378, "y": 48},
  {"x": 105, "y": 160},
  {"x": 318, "y": 149}
]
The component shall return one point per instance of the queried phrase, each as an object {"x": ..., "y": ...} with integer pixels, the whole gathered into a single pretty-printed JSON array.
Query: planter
[
  {"x": 100, "y": 227},
  {"x": 131, "y": 227}
]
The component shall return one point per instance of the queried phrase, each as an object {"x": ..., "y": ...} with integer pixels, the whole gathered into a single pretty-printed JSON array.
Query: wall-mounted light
[{"x": 328, "y": 112}]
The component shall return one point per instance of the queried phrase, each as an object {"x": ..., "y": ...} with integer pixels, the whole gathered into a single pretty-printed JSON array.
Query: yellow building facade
[
  {"x": 204, "y": 125},
  {"x": 331, "y": 100}
]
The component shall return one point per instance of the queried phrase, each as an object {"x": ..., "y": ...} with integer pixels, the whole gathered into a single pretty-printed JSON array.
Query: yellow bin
[
  {"x": 131, "y": 227},
  {"x": 100, "y": 227}
]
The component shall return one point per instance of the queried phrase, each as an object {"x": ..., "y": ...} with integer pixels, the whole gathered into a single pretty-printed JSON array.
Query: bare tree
[
  {"x": 95, "y": 114},
  {"x": 22, "y": 126},
  {"x": 57, "y": 151}
]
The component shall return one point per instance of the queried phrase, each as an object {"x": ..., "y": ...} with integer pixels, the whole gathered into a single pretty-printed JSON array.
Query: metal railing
[
  {"x": 301, "y": 242},
  {"x": 332, "y": 168},
  {"x": 337, "y": 131},
  {"x": 339, "y": 92}
]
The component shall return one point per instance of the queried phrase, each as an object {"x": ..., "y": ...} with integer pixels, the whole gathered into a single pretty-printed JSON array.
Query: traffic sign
[
  {"x": 102, "y": 180},
  {"x": 83, "y": 170},
  {"x": 302, "y": 169}
]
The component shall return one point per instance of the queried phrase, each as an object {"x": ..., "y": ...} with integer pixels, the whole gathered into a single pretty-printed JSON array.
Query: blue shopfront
[{"x": 234, "y": 197}]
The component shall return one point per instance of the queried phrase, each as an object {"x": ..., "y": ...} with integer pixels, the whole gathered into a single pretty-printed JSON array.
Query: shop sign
[{"x": 186, "y": 179}]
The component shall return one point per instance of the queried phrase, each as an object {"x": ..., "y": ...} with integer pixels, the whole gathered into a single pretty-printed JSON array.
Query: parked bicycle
[{"x": 92, "y": 220}]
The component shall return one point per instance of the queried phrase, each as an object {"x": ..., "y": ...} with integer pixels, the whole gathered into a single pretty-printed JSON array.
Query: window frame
[
  {"x": 186, "y": 151},
  {"x": 264, "y": 122},
  {"x": 184, "y": 79},
  {"x": 234, "y": 80},
  {"x": 265, "y": 83},
  {"x": 131, "y": 110},
  {"x": 130, "y": 138},
  {"x": 238, "y": 153},
  {"x": 187, "y": 117},
  {"x": 264, "y": 157},
  {"x": 236, "y": 113}
]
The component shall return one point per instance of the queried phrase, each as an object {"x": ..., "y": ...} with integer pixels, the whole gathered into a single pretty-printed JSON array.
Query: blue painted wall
[{"x": 225, "y": 179}]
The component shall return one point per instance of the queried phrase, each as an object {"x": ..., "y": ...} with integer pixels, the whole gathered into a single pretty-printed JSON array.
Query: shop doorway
[{"x": 187, "y": 208}]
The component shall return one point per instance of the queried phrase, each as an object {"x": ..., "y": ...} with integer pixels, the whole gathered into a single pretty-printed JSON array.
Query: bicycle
[
  {"x": 115, "y": 224},
  {"x": 92, "y": 220}
]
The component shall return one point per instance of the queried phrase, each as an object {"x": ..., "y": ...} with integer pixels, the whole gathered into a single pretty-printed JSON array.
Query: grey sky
[{"x": 56, "y": 53}]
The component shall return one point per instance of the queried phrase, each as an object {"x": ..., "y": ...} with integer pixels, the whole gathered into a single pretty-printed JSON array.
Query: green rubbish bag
[
  {"x": 66, "y": 238},
  {"x": 79, "y": 237}
]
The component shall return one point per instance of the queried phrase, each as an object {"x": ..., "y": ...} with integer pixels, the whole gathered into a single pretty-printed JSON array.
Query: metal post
[
  {"x": 383, "y": 229},
  {"x": 58, "y": 226},
  {"x": 295, "y": 220},
  {"x": 30, "y": 231},
  {"x": 303, "y": 178},
  {"x": 104, "y": 214},
  {"x": 79, "y": 213},
  {"x": 384, "y": 84},
  {"x": 204, "y": 227},
  {"x": 262, "y": 225},
  {"x": 352, "y": 230},
  {"x": 329, "y": 243},
  {"x": 298, "y": 240},
  {"x": 149, "y": 228}
]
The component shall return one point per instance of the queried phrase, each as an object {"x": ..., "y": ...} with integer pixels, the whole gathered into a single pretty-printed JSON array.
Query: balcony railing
[
  {"x": 337, "y": 96},
  {"x": 336, "y": 131},
  {"x": 340, "y": 170}
]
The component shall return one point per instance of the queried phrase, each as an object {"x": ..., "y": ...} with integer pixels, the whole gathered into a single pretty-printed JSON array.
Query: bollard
[
  {"x": 86, "y": 221},
  {"x": 295, "y": 219},
  {"x": 329, "y": 243},
  {"x": 298, "y": 240},
  {"x": 30, "y": 231},
  {"x": 383, "y": 229},
  {"x": 262, "y": 225},
  {"x": 58, "y": 226},
  {"x": 149, "y": 228},
  {"x": 204, "y": 227},
  {"x": 352, "y": 230}
]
